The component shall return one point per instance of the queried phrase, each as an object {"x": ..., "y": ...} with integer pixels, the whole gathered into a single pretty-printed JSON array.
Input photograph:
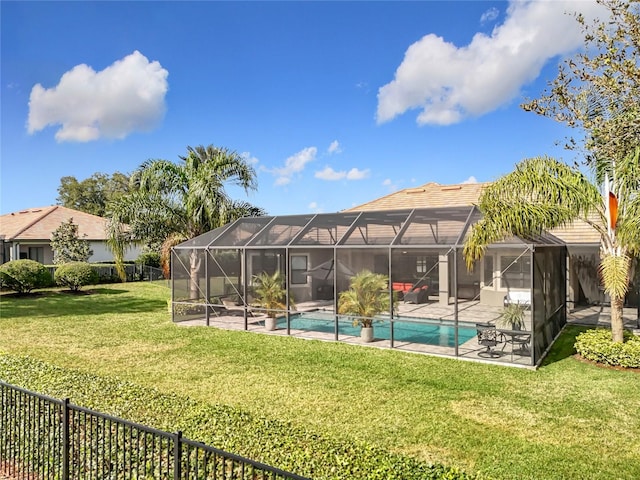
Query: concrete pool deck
[{"x": 468, "y": 311}]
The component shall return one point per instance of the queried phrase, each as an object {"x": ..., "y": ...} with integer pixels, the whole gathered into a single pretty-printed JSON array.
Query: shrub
[
  {"x": 75, "y": 275},
  {"x": 597, "y": 345},
  {"x": 151, "y": 259},
  {"x": 22, "y": 276},
  {"x": 318, "y": 455}
]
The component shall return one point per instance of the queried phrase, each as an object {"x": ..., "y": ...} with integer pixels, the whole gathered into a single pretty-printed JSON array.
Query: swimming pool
[{"x": 423, "y": 330}]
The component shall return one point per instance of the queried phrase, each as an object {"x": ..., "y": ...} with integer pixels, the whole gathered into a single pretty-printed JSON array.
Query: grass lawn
[{"x": 569, "y": 419}]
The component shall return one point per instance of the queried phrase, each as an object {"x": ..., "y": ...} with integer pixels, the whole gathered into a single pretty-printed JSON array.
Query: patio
[
  {"x": 420, "y": 252},
  {"x": 469, "y": 312}
]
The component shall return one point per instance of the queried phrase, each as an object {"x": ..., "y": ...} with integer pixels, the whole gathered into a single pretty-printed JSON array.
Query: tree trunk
[
  {"x": 194, "y": 269},
  {"x": 617, "y": 322}
]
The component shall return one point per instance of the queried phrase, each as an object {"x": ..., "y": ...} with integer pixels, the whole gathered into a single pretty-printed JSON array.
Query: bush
[
  {"x": 596, "y": 345},
  {"x": 314, "y": 454},
  {"x": 75, "y": 275},
  {"x": 150, "y": 259},
  {"x": 22, "y": 276}
]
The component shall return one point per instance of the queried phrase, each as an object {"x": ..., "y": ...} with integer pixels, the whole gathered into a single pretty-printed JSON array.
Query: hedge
[
  {"x": 596, "y": 345},
  {"x": 75, "y": 275},
  {"x": 318, "y": 455},
  {"x": 22, "y": 276}
]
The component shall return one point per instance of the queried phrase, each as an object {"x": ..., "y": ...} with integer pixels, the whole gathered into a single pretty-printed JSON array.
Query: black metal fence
[
  {"x": 45, "y": 438},
  {"x": 135, "y": 272}
]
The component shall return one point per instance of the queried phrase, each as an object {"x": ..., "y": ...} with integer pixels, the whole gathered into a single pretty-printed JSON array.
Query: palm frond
[
  {"x": 367, "y": 296},
  {"x": 540, "y": 194},
  {"x": 615, "y": 273}
]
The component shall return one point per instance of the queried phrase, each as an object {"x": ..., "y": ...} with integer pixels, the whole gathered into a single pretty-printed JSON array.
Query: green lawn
[{"x": 566, "y": 420}]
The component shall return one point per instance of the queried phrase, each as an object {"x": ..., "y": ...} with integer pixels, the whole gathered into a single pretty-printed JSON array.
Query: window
[
  {"x": 516, "y": 271},
  {"x": 37, "y": 254},
  {"x": 421, "y": 265},
  {"x": 488, "y": 271},
  {"x": 298, "y": 267}
]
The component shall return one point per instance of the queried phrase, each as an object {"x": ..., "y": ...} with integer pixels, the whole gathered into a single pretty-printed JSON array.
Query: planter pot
[
  {"x": 270, "y": 324},
  {"x": 366, "y": 334}
]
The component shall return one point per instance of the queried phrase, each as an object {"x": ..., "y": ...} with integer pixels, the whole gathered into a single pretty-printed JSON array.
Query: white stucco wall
[{"x": 101, "y": 252}]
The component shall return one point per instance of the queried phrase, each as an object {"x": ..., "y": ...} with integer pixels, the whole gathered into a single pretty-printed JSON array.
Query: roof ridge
[{"x": 36, "y": 220}]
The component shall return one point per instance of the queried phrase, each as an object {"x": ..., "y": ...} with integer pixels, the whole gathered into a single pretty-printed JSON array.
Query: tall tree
[
  {"x": 176, "y": 201},
  {"x": 92, "y": 194},
  {"x": 67, "y": 246},
  {"x": 544, "y": 193},
  {"x": 597, "y": 91}
]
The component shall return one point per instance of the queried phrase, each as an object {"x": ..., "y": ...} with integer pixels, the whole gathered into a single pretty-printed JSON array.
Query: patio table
[{"x": 516, "y": 338}]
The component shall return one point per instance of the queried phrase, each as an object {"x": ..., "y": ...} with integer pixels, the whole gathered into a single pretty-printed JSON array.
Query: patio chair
[{"x": 487, "y": 337}]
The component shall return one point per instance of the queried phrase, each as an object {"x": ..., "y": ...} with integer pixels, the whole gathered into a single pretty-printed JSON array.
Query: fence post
[
  {"x": 177, "y": 455},
  {"x": 65, "y": 439}
]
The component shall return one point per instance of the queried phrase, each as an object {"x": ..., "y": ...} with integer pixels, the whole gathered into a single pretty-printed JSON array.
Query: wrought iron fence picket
[{"x": 45, "y": 438}]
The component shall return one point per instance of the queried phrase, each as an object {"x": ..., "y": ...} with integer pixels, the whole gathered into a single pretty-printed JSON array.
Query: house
[
  {"x": 27, "y": 234},
  {"x": 583, "y": 242}
]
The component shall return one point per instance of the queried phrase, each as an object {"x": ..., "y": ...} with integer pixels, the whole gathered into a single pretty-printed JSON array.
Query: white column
[{"x": 443, "y": 279}]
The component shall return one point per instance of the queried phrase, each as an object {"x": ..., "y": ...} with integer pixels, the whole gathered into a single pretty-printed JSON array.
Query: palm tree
[
  {"x": 172, "y": 202},
  {"x": 543, "y": 193},
  {"x": 271, "y": 294},
  {"x": 367, "y": 296}
]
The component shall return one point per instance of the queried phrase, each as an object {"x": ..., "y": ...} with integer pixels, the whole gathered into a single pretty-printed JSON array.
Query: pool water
[{"x": 425, "y": 331}]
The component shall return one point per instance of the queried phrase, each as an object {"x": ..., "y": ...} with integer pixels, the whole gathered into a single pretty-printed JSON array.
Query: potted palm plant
[
  {"x": 512, "y": 316},
  {"x": 271, "y": 295},
  {"x": 367, "y": 296}
]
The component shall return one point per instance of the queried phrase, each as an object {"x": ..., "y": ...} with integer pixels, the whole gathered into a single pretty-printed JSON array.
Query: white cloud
[
  {"x": 334, "y": 147},
  {"x": 450, "y": 83},
  {"x": 125, "y": 97},
  {"x": 281, "y": 181},
  {"x": 251, "y": 160},
  {"x": 294, "y": 164},
  {"x": 390, "y": 186},
  {"x": 314, "y": 207},
  {"x": 330, "y": 174},
  {"x": 471, "y": 179},
  {"x": 355, "y": 174},
  {"x": 490, "y": 15}
]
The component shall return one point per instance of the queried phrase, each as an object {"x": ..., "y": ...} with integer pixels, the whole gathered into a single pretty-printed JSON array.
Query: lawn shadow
[
  {"x": 107, "y": 291},
  {"x": 86, "y": 302},
  {"x": 563, "y": 347}
]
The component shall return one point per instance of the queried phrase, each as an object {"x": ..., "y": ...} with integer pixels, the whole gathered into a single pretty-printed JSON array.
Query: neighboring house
[
  {"x": 583, "y": 244},
  {"x": 27, "y": 234}
]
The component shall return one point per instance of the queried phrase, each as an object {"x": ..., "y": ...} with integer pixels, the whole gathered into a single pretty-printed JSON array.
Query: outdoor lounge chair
[
  {"x": 230, "y": 307},
  {"x": 487, "y": 337},
  {"x": 516, "y": 297},
  {"x": 417, "y": 295}
]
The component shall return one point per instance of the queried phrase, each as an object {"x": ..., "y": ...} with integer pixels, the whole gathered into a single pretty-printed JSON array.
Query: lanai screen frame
[{"x": 374, "y": 232}]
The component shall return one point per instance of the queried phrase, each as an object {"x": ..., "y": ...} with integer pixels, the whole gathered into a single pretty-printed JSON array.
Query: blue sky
[{"x": 335, "y": 103}]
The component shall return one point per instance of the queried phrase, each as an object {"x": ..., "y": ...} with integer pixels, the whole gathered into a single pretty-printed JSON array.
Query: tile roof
[
  {"x": 466, "y": 194},
  {"x": 40, "y": 223},
  {"x": 428, "y": 195},
  {"x": 579, "y": 232}
]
